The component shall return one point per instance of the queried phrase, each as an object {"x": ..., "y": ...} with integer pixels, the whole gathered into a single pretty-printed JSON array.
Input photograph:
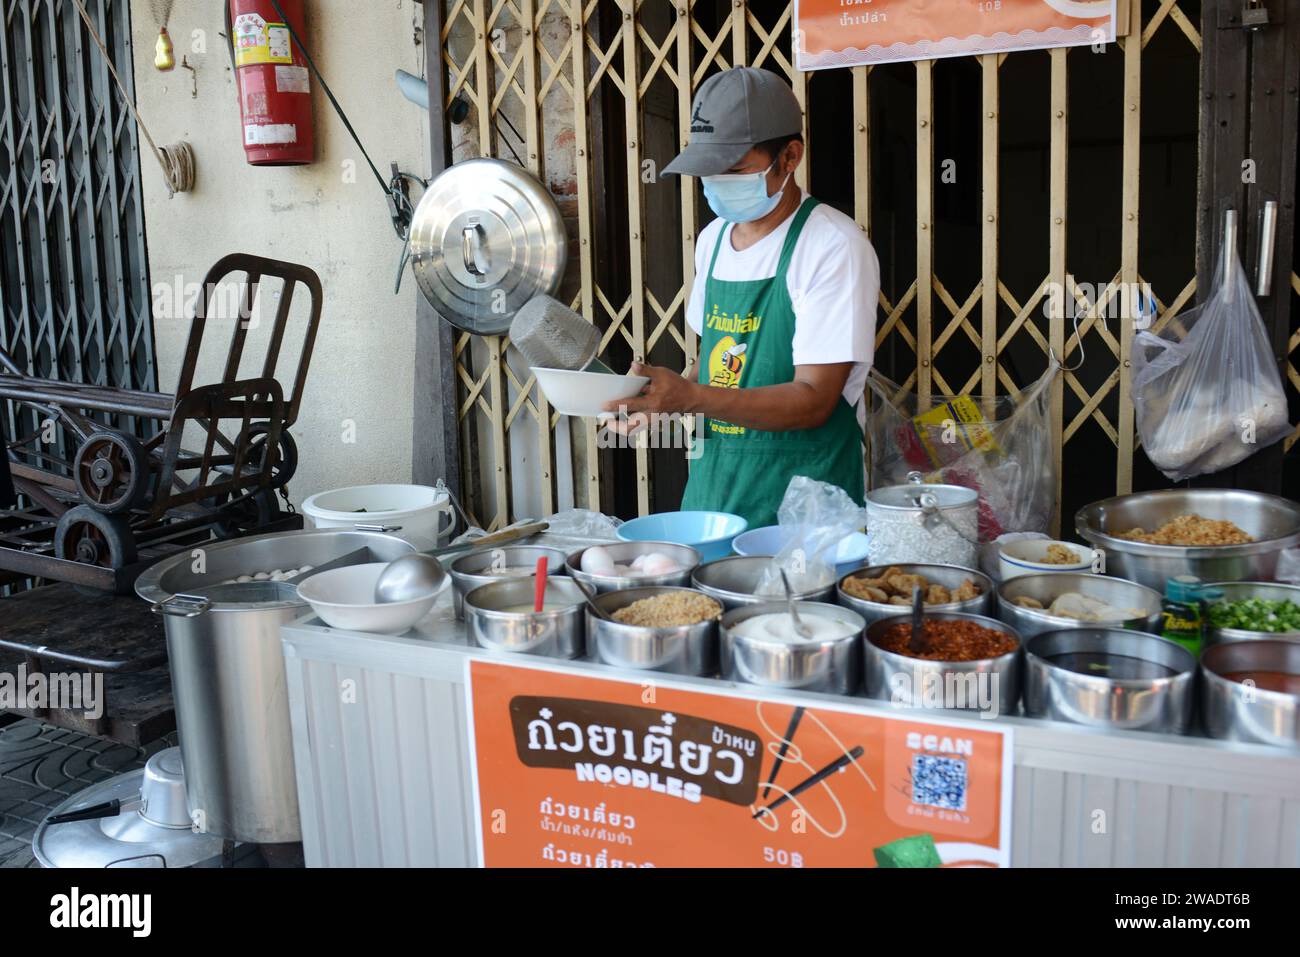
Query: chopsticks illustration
[
  {"x": 795, "y": 717},
  {"x": 840, "y": 762}
]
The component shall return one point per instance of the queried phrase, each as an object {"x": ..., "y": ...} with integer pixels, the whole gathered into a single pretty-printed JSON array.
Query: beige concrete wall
[{"x": 356, "y": 419}]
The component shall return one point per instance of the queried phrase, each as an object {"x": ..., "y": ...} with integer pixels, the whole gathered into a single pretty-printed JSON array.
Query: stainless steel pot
[
  {"x": 833, "y": 666},
  {"x": 952, "y": 685},
  {"x": 949, "y": 576},
  {"x": 227, "y": 671},
  {"x": 1235, "y": 591},
  {"x": 1273, "y": 522},
  {"x": 625, "y": 552},
  {"x": 1046, "y": 587},
  {"x": 732, "y": 581},
  {"x": 1239, "y": 712},
  {"x": 678, "y": 649},
  {"x": 1135, "y": 704},
  {"x": 481, "y": 568},
  {"x": 558, "y": 633}
]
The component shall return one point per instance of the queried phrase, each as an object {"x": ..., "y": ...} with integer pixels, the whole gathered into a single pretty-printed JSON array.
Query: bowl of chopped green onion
[{"x": 1251, "y": 611}]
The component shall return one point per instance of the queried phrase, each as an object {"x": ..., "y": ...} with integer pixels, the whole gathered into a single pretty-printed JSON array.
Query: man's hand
[
  {"x": 804, "y": 403},
  {"x": 667, "y": 391}
]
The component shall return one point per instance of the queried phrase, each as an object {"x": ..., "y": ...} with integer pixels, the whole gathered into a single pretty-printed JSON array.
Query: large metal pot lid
[
  {"x": 131, "y": 838},
  {"x": 486, "y": 238}
]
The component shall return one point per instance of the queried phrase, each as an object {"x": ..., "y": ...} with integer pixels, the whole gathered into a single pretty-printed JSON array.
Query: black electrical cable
[
  {"x": 338, "y": 108},
  {"x": 393, "y": 189}
]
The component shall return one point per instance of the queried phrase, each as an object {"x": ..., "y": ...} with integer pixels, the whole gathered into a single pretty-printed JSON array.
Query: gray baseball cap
[{"x": 734, "y": 111}]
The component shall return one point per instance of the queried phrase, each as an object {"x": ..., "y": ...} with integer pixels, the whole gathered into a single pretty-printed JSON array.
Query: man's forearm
[{"x": 771, "y": 408}]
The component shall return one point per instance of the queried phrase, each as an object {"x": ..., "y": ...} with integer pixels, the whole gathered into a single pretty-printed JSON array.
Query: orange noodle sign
[
  {"x": 574, "y": 770},
  {"x": 834, "y": 33}
]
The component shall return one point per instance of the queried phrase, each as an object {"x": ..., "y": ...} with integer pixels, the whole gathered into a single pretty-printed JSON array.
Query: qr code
[{"x": 939, "y": 782}]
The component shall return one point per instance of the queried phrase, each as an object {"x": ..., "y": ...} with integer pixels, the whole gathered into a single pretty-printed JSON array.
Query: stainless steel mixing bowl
[
  {"x": 559, "y": 633},
  {"x": 833, "y": 666},
  {"x": 1135, "y": 704},
  {"x": 624, "y": 553},
  {"x": 955, "y": 685},
  {"x": 732, "y": 581},
  {"x": 1046, "y": 587},
  {"x": 1239, "y": 712},
  {"x": 483, "y": 568},
  {"x": 1236, "y": 591},
  {"x": 678, "y": 649},
  {"x": 949, "y": 576},
  {"x": 1273, "y": 522}
]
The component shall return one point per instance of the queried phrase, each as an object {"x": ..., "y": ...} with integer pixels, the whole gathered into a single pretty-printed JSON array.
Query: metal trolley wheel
[
  {"x": 254, "y": 512},
  {"x": 287, "y": 463},
  {"x": 92, "y": 538},
  {"x": 112, "y": 472}
]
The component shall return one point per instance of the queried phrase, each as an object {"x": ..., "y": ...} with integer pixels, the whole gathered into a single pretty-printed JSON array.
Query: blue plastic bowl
[
  {"x": 768, "y": 540},
  {"x": 709, "y": 533}
]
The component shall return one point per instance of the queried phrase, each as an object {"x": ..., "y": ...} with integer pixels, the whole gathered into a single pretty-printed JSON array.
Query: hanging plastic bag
[
  {"x": 1001, "y": 447},
  {"x": 815, "y": 516},
  {"x": 1206, "y": 389}
]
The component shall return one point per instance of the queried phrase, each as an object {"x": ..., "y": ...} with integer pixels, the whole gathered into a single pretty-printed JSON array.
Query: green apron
[{"x": 747, "y": 342}]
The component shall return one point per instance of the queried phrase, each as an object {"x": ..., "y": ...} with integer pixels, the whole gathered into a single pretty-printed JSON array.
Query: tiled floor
[{"x": 40, "y": 766}]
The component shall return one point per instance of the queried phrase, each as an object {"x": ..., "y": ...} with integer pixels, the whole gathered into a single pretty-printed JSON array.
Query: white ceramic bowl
[
  {"x": 585, "y": 393},
  {"x": 344, "y": 598},
  {"x": 1027, "y": 558}
]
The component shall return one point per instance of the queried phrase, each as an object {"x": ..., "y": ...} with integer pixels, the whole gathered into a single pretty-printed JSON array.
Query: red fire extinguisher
[{"x": 274, "y": 82}]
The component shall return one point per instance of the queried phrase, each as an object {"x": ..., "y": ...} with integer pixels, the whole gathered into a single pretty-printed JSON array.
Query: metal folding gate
[
  {"x": 75, "y": 299},
  {"x": 570, "y": 89}
]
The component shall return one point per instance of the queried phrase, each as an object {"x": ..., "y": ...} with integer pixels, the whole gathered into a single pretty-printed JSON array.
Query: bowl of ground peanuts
[{"x": 656, "y": 628}]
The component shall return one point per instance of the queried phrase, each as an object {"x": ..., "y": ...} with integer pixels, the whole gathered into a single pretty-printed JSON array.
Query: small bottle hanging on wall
[{"x": 164, "y": 60}]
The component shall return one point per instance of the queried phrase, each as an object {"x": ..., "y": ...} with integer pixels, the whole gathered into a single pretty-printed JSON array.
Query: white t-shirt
[{"x": 834, "y": 283}]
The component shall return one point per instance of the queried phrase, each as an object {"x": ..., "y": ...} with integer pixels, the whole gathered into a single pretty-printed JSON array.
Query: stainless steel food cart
[{"x": 383, "y": 759}]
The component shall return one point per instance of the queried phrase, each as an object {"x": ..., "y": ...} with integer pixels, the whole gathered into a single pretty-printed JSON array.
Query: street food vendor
[{"x": 784, "y": 303}]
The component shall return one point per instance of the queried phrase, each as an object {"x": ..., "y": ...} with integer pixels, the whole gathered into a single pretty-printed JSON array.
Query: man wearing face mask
[{"x": 784, "y": 302}]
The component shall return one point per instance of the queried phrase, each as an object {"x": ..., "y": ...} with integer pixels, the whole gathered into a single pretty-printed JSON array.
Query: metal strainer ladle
[{"x": 550, "y": 335}]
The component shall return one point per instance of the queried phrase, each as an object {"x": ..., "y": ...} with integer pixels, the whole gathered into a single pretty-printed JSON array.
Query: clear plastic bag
[
  {"x": 1206, "y": 389},
  {"x": 816, "y": 516},
  {"x": 574, "y": 522},
  {"x": 1001, "y": 447},
  {"x": 1288, "y": 566}
]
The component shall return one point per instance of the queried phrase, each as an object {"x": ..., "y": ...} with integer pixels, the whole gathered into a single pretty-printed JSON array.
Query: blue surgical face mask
[{"x": 742, "y": 197}]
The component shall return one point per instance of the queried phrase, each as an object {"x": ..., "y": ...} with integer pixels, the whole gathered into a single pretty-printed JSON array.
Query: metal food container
[
  {"x": 677, "y": 649},
  {"x": 1237, "y": 712},
  {"x": 227, "y": 671},
  {"x": 833, "y": 666},
  {"x": 558, "y": 633},
  {"x": 625, "y": 552},
  {"x": 912, "y": 682},
  {"x": 949, "y": 576},
  {"x": 928, "y": 524},
  {"x": 1161, "y": 704},
  {"x": 1272, "y": 521},
  {"x": 1046, "y": 587},
  {"x": 470, "y": 571},
  {"x": 732, "y": 581},
  {"x": 1236, "y": 591}
]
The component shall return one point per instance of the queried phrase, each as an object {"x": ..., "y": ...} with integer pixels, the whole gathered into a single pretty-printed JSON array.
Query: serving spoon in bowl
[
  {"x": 416, "y": 575},
  {"x": 800, "y": 629}
]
